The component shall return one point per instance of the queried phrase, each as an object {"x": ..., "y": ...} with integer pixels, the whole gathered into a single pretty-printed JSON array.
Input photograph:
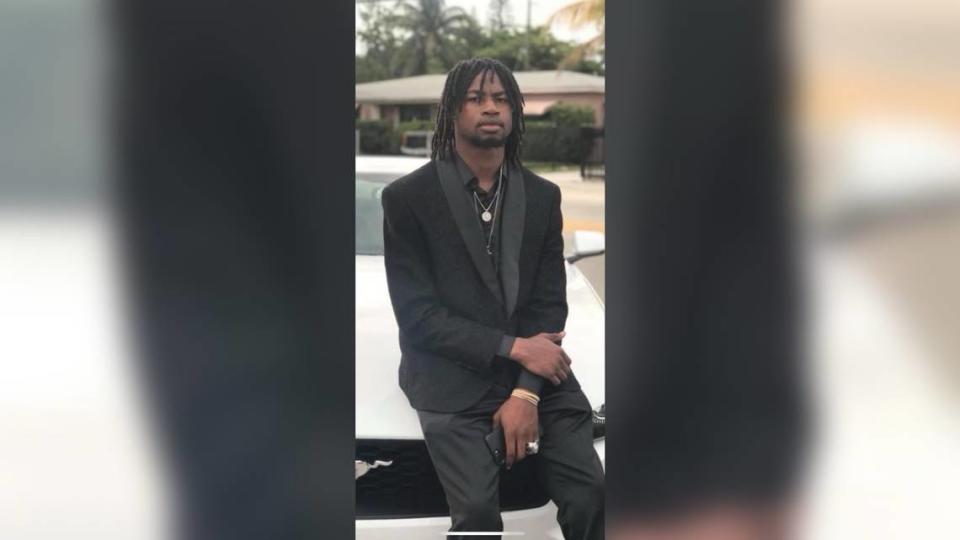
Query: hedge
[
  {"x": 416, "y": 125},
  {"x": 545, "y": 141},
  {"x": 378, "y": 137},
  {"x": 542, "y": 141},
  {"x": 560, "y": 139},
  {"x": 568, "y": 114}
]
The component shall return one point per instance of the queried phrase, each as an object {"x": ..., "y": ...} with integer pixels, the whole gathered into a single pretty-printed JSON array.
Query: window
[{"x": 409, "y": 113}]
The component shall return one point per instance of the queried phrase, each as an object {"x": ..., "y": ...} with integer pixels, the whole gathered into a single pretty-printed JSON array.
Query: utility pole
[{"x": 526, "y": 49}]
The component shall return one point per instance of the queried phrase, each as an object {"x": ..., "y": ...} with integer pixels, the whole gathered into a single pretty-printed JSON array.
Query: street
[{"x": 583, "y": 209}]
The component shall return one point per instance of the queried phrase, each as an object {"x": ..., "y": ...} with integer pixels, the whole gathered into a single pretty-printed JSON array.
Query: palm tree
[
  {"x": 431, "y": 29},
  {"x": 581, "y": 14}
]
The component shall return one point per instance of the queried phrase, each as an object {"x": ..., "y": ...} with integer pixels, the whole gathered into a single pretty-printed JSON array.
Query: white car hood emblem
[{"x": 361, "y": 468}]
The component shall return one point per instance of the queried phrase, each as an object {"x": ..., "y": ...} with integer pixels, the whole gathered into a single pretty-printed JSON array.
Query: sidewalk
[
  {"x": 583, "y": 200},
  {"x": 583, "y": 206}
]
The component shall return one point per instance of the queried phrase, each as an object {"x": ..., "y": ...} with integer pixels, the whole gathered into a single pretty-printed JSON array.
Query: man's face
[{"x": 485, "y": 118}]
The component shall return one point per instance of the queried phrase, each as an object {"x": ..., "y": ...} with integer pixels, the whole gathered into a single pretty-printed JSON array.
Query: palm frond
[
  {"x": 580, "y": 51},
  {"x": 457, "y": 18},
  {"x": 579, "y": 14}
]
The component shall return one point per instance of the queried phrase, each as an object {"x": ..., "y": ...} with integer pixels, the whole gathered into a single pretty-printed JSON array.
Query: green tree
[
  {"x": 434, "y": 36},
  {"x": 415, "y": 38},
  {"x": 380, "y": 44},
  {"x": 545, "y": 51},
  {"x": 580, "y": 14},
  {"x": 585, "y": 65},
  {"x": 368, "y": 69},
  {"x": 568, "y": 114}
]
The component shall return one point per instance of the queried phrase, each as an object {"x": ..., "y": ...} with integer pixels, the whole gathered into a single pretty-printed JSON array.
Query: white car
[{"x": 398, "y": 495}]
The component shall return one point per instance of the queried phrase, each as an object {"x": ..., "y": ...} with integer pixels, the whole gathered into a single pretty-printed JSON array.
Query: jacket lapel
[
  {"x": 511, "y": 236},
  {"x": 467, "y": 223}
]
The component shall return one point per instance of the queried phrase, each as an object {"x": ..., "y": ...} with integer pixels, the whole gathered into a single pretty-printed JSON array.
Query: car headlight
[{"x": 600, "y": 422}]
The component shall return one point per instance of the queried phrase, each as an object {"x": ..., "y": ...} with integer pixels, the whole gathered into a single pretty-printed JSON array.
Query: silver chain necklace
[{"x": 486, "y": 216}]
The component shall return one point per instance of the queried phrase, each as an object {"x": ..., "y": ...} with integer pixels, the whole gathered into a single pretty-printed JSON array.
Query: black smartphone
[{"x": 497, "y": 446}]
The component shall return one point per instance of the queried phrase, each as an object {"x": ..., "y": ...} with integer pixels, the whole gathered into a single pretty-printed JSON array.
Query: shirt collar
[{"x": 466, "y": 175}]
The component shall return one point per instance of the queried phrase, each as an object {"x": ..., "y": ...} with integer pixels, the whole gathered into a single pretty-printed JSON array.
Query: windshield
[{"x": 369, "y": 213}]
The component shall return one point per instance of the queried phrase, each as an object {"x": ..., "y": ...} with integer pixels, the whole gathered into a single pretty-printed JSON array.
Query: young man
[{"x": 475, "y": 268}]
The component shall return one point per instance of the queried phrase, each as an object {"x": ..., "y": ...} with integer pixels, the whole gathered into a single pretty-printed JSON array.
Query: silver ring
[{"x": 533, "y": 447}]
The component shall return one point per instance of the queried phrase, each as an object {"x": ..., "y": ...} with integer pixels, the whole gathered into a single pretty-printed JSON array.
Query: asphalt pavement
[{"x": 583, "y": 209}]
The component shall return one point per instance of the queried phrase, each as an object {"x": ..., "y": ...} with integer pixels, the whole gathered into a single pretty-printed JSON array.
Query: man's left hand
[{"x": 518, "y": 418}]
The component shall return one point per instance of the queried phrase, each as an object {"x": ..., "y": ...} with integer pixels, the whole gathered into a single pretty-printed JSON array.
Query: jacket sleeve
[
  {"x": 546, "y": 309},
  {"x": 423, "y": 320}
]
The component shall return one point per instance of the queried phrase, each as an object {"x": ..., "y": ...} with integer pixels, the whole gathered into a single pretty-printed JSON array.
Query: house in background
[{"x": 417, "y": 98}]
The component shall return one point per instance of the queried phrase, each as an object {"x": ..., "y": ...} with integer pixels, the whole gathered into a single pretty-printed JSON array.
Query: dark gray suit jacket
[{"x": 444, "y": 288}]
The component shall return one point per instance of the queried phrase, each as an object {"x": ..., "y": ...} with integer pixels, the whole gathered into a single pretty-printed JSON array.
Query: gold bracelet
[
  {"x": 525, "y": 392},
  {"x": 526, "y": 395},
  {"x": 527, "y": 399}
]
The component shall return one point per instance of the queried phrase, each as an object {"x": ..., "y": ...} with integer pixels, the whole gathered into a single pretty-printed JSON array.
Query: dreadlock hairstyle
[{"x": 454, "y": 92}]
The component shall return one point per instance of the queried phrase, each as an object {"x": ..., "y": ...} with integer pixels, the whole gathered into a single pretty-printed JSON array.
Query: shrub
[
  {"x": 567, "y": 114},
  {"x": 538, "y": 139},
  {"x": 378, "y": 137},
  {"x": 416, "y": 125},
  {"x": 546, "y": 141}
]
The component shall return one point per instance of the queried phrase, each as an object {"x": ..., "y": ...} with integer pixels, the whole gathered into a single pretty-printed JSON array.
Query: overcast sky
[{"x": 540, "y": 10}]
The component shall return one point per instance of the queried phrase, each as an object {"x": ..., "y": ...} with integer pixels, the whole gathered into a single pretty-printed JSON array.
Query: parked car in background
[{"x": 416, "y": 143}]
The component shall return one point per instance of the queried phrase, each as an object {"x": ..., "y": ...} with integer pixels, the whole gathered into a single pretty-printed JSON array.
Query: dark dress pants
[{"x": 567, "y": 465}]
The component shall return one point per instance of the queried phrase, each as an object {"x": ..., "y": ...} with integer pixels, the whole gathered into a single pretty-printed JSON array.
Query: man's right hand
[{"x": 542, "y": 356}]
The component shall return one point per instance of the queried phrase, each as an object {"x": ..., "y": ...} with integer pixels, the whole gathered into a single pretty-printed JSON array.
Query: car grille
[{"x": 410, "y": 488}]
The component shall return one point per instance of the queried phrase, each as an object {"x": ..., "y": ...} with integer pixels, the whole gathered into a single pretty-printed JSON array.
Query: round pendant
[{"x": 486, "y": 216}]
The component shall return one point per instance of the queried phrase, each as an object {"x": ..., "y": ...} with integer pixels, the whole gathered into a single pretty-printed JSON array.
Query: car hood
[{"x": 382, "y": 410}]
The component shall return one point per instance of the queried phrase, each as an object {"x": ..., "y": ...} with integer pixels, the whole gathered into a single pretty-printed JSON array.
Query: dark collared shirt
[
  {"x": 487, "y": 199},
  {"x": 472, "y": 184},
  {"x": 525, "y": 379}
]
